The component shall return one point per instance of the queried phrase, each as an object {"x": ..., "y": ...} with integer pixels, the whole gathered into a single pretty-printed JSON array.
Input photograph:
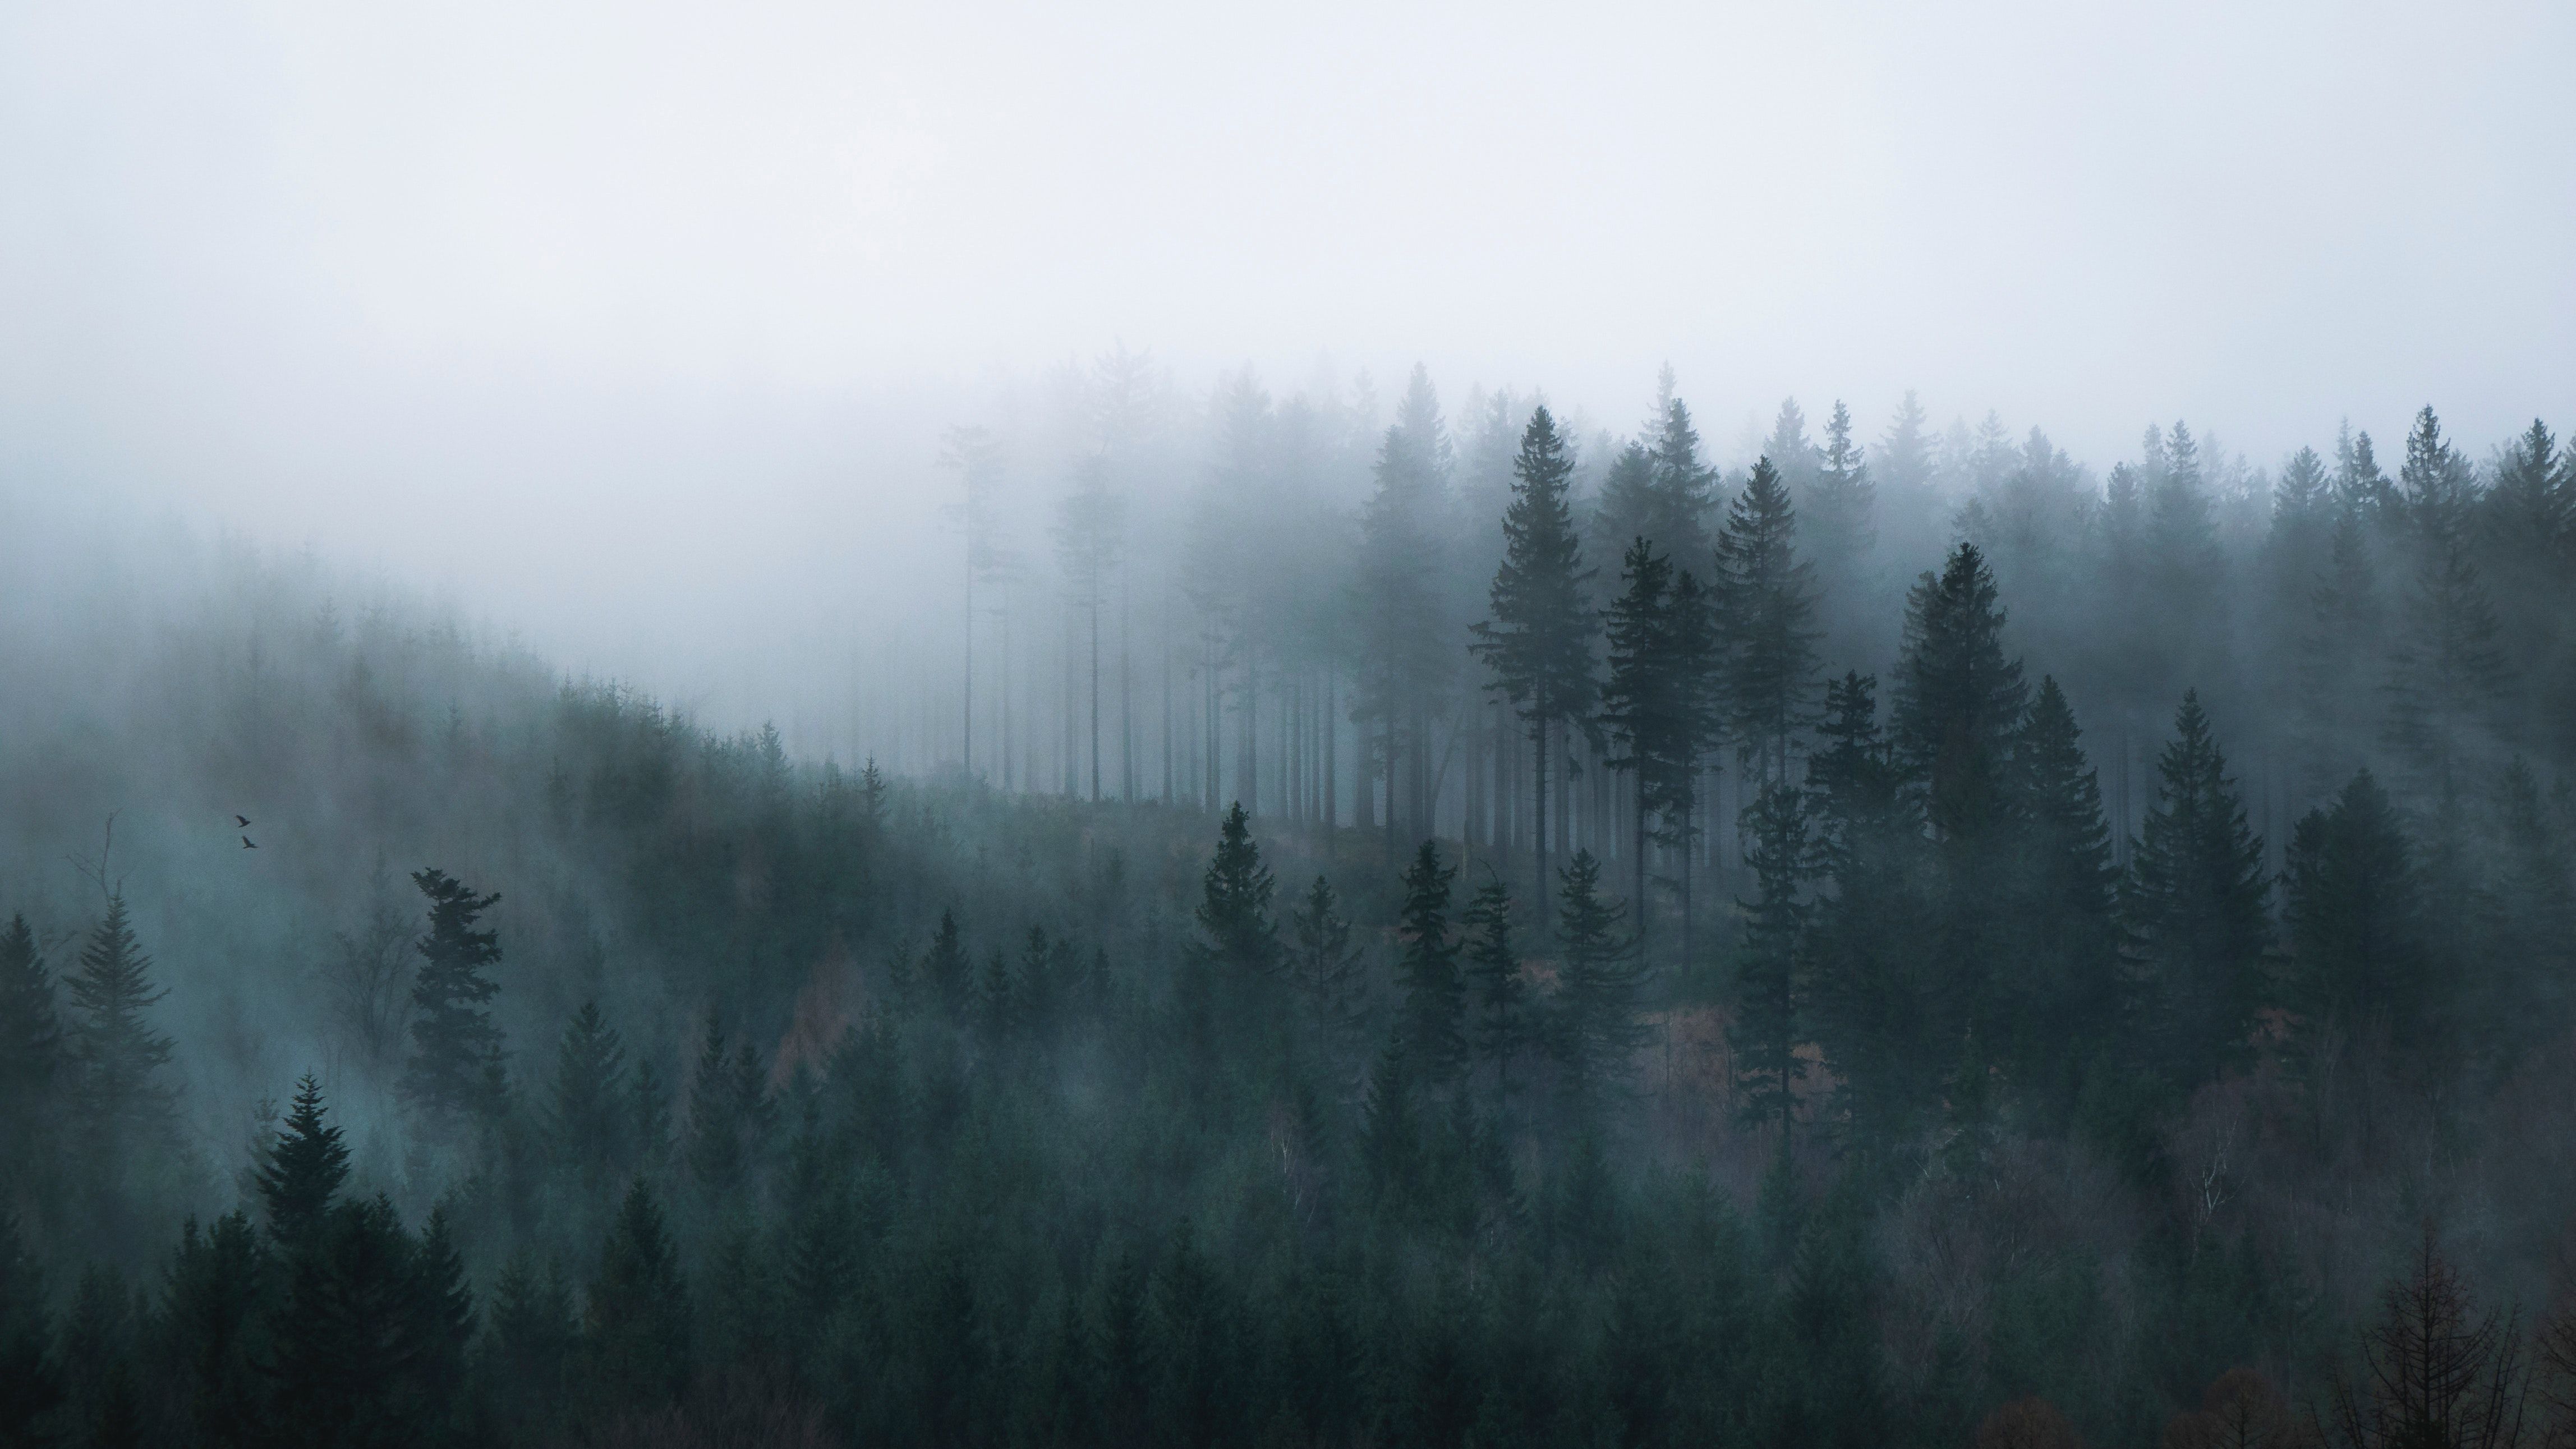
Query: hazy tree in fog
[
  {"x": 2058, "y": 993},
  {"x": 587, "y": 1114},
  {"x": 1770, "y": 970},
  {"x": 302, "y": 1170},
  {"x": 1838, "y": 515},
  {"x": 1539, "y": 641},
  {"x": 1504, "y": 1024},
  {"x": 1406, "y": 645},
  {"x": 1957, "y": 698},
  {"x": 1593, "y": 1030},
  {"x": 368, "y": 976},
  {"x": 2354, "y": 920},
  {"x": 1431, "y": 1022},
  {"x": 975, "y": 455},
  {"x": 31, "y": 1055},
  {"x": 2449, "y": 679},
  {"x": 2529, "y": 532},
  {"x": 1766, "y": 601},
  {"x": 116, "y": 1055},
  {"x": 455, "y": 1043},
  {"x": 1645, "y": 702},
  {"x": 2196, "y": 904},
  {"x": 1793, "y": 456},
  {"x": 1090, "y": 535}
]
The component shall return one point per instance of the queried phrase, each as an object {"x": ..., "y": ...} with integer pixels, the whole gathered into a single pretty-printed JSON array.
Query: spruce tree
[
  {"x": 214, "y": 1310},
  {"x": 1957, "y": 698},
  {"x": 1326, "y": 967},
  {"x": 115, "y": 1054},
  {"x": 588, "y": 1116},
  {"x": 1594, "y": 1031},
  {"x": 1838, "y": 515},
  {"x": 1240, "y": 937},
  {"x": 2449, "y": 679},
  {"x": 1656, "y": 701},
  {"x": 1769, "y": 989},
  {"x": 454, "y": 1040},
  {"x": 2339, "y": 657},
  {"x": 1538, "y": 644},
  {"x": 1504, "y": 1027},
  {"x": 2057, "y": 988},
  {"x": 1869, "y": 996},
  {"x": 635, "y": 1324},
  {"x": 1406, "y": 639},
  {"x": 347, "y": 1341},
  {"x": 2195, "y": 906},
  {"x": 1767, "y": 598},
  {"x": 2358, "y": 970},
  {"x": 528, "y": 1349},
  {"x": 32, "y": 1065},
  {"x": 945, "y": 972},
  {"x": 1684, "y": 487},
  {"x": 1430, "y": 1028},
  {"x": 31, "y": 1382},
  {"x": 303, "y": 1170}
]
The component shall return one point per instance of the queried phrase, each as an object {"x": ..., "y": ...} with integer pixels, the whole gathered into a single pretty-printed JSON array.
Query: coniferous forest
[{"x": 1348, "y": 929}]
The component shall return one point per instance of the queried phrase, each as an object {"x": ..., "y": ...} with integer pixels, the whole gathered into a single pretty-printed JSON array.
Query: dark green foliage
[
  {"x": 1594, "y": 1032},
  {"x": 2195, "y": 903},
  {"x": 32, "y": 1063},
  {"x": 2359, "y": 970},
  {"x": 116, "y": 1056},
  {"x": 2058, "y": 996},
  {"x": 528, "y": 1350},
  {"x": 1769, "y": 965},
  {"x": 1957, "y": 700},
  {"x": 304, "y": 1170},
  {"x": 1504, "y": 1025},
  {"x": 1431, "y": 1018},
  {"x": 30, "y": 1381},
  {"x": 454, "y": 1040},
  {"x": 358, "y": 1339},
  {"x": 588, "y": 1114},
  {"x": 1538, "y": 644},
  {"x": 1766, "y": 595},
  {"x": 635, "y": 1323},
  {"x": 1234, "y": 903},
  {"x": 1325, "y": 968}
]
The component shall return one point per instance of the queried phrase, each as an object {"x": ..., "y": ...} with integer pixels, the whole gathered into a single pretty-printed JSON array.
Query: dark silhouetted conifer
[
  {"x": 304, "y": 1169},
  {"x": 2195, "y": 906},
  {"x": 454, "y": 1039}
]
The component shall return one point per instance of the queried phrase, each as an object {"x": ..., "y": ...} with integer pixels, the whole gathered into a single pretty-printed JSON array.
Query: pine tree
[
  {"x": 304, "y": 1170},
  {"x": 1594, "y": 1031},
  {"x": 1655, "y": 701},
  {"x": 31, "y": 1382},
  {"x": 528, "y": 1349},
  {"x": 2449, "y": 678},
  {"x": 2058, "y": 990},
  {"x": 1539, "y": 641},
  {"x": 1684, "y": 487},
  {"x": 347, "y": 1342},
  {"x": 115, "y": 1054},
  {"x": 1769, "y": 1009},
  {"x": 32, "y": 1065},
  {"x": 1234, "y": 904},
  {"x": 454, "y": 1040},
  {"x": 588, "y": 1115},
  {"x": 2195, "y": 906},
  {"x": 2354, "y": 918},
  {"x": 440, "y": 1314},
  {"x": 1767, "y": 597},
  {"x": 945, "y": 972},
  {"x": 1957, "y": 699},
  {"x": 1839, "y": 509},
  {"x": 635, "y": 1324},
  {"x": 1405, "y": 636},
  {"x": 2361, "y": 490},
  {"x": 1326, "y": 967},
  {"x": 1430, "y": 1029},
  {"x": 214, "y": 1310},
  {"x": 1504, "y": 1026},
  {"x": 2338, "y": 656}
]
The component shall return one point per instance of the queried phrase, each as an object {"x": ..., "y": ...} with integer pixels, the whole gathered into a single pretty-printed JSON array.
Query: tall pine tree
[
  {"x": 2195, "y": 903},
  {"x": 454, "y": 1040},
  {"x": 1538, "y": 644},
  {"x": 1767, "y": 600}
]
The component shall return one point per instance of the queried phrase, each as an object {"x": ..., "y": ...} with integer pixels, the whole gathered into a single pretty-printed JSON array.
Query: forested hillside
[{"x": 1528, "y": 937}]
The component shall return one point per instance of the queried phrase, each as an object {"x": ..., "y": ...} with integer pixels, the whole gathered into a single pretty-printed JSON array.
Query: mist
[{"x": 1829, "y": 724}]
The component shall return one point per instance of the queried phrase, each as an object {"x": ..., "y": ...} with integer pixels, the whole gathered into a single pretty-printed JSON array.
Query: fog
[{"x": 634, "y": 328}]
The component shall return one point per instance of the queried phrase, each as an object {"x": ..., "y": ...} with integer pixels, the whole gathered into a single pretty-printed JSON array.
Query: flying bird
[
  {"x": 243, "y": 821},
  {"x": 246, "y": 845}
]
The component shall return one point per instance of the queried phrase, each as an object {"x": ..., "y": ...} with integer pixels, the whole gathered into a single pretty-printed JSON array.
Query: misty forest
[{"x": 1336, "y": 920}]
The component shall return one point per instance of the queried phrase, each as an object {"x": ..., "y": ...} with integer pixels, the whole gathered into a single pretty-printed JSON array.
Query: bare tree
[{"x": 2436, "y": 1373}]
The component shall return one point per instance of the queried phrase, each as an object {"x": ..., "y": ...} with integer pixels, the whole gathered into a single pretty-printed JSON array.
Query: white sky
[{"x": 619, "y": 319}]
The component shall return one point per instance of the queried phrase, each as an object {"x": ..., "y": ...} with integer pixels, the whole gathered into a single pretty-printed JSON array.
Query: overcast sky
[{"x": 632, "y": 310}]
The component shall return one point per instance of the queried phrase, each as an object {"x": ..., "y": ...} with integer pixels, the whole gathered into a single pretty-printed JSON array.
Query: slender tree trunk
[
  {"x": 1538, "y": 809},
  {"x": 967, "y": 744},
  {"x": 1332, "y": 737},
  {"x": 1095, "y": 690},
  {"x": 1167, "y": 697}
]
